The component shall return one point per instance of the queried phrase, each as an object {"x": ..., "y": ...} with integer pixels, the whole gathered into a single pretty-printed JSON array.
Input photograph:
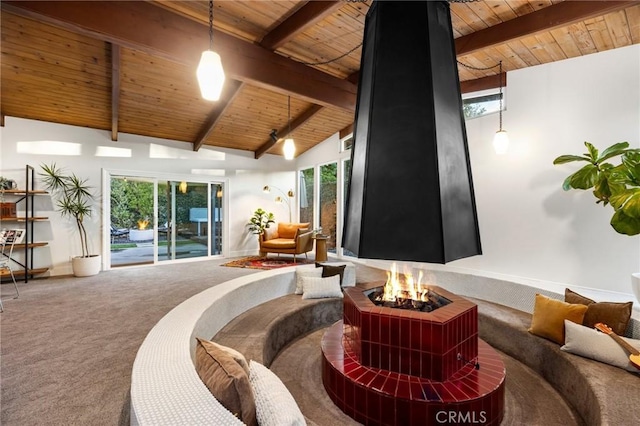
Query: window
[
  {"x": 306, "y": 195},
  {"x": 329, "y": 203},
  {"x": 346, "y": 143},
  {"x": 478, "y": 106}
]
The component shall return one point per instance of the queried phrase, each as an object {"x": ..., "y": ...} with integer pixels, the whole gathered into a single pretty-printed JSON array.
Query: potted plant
[
  {"x": 614, "y": 185},
  {"x": 73, "y": 198},
  {"x": 260, "y": 221}
]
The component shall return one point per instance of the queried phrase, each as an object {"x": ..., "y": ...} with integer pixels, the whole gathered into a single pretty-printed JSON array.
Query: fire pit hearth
[
  {"x": 427, "y": 302},
  {"x": 387, "y": 366}
]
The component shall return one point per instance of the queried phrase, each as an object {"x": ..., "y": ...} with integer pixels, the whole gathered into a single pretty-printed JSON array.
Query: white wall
[
  {"x": 82, "y": 151},
  {"x": 532, "y": 231},
  {"x": 529, "y": 226}
]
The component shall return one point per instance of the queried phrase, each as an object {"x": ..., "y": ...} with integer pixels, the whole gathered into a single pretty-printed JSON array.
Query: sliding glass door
[
  {"x": 183, "y": 220},
  {"x": 131, "y": 216},
  {"x": 189, "y": 220}
]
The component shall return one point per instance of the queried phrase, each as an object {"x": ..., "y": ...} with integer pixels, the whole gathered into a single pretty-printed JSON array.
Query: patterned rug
[{"x": 257, "y": 262}]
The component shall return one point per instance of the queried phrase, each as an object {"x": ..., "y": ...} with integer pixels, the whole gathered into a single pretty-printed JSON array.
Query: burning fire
[
  {"x": 408, "y": 287},
  {"x": 142, "y": 224}
]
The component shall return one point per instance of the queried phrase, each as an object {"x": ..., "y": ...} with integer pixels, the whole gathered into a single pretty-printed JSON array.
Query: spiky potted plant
[{"x": 73, "y": 199}]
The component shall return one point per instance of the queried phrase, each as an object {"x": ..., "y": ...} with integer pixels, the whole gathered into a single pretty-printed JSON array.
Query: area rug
[{"x": 257, "y": 262}]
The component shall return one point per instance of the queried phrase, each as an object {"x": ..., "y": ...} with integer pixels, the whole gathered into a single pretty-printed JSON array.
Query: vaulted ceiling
[{"x": 129, "y": 66}]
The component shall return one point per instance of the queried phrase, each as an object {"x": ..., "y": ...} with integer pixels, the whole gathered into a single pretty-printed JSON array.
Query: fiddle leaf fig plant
[
  {"x": 260, "y": 221},
  {"x": 615, "y": 185}
]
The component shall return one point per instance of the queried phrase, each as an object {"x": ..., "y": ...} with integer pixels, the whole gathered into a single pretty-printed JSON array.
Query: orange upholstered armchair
[{"x": 289, "y": 238}]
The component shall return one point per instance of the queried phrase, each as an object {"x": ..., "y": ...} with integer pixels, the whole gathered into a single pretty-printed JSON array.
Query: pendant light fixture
[
  {"x": 210, "y": 73},
  {"x": 501, "y": 139},
  {"x": 289, "y": 147}
]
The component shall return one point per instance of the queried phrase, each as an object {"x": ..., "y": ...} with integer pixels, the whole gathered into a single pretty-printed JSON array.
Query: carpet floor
[{"x": 67, "y": 345}]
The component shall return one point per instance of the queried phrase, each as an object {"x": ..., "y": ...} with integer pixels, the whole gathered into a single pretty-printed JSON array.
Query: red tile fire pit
[{"x": 387, "y": 366}]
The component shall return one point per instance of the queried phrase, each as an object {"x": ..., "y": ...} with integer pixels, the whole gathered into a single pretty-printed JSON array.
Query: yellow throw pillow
[{"x": 549, "y": 315}]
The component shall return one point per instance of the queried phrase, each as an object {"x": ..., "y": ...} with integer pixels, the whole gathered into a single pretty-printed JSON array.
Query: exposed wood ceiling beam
[
  {"x": 484, "y": 83},
  {"x": 115, "y": 90},
  {"x": 154, "y": 30},
  {"x": 231, "y": 90},
  {"x": 303, "y": 18},
  {"x": 346, "y": 131},
  {"x": 284, "y": 131},
  {"x": 547, "y": 19}
]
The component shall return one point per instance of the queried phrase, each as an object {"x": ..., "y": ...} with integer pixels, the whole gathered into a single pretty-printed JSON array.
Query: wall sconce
[
  {"x": 182, "y": 187},
  {"x": 284, "y": 199}
]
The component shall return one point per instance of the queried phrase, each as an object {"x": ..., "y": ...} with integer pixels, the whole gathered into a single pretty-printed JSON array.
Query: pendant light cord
[
  {"x": 500, "y": 96},
  {"x": 289, "y": 115},
  {"x": 210, "y": 24}
]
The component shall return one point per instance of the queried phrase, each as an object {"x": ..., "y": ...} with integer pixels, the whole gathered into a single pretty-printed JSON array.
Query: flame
[
  {"x": 404, "y": 286},
  {"x": 142, "y": 224}
]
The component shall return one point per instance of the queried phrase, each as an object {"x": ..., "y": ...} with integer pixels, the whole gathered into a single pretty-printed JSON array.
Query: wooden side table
[{"x": 321, "y": 247}]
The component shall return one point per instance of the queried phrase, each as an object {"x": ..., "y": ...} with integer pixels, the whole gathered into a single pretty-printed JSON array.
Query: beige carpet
[{"x": 68, "y": 344}]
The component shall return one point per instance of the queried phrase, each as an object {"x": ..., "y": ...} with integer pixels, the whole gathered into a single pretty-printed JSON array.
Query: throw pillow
[
  {"x": 237, "y": 356},
  {"x": 226, "y": 381},
  {"x": 274, "y": 404},
  {"x": 549, "y": 315},
  {"x": 592, "y": 344},
  {"x": 615, "y": 315},
  {"x": 301, "y": 273},
  {"x": 331, "y": 270},
  {"x": 320, "y": 288}
]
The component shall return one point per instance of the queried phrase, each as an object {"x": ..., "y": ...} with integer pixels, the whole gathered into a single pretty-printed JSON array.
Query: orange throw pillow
[{"x": 549, "y": 315}]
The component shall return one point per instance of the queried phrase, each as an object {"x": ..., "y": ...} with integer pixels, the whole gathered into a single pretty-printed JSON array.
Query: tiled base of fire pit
[{"x": 379, "y": 397}]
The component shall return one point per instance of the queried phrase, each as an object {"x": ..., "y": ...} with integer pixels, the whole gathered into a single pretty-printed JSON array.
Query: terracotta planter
[{"x": 86, "y": 266}]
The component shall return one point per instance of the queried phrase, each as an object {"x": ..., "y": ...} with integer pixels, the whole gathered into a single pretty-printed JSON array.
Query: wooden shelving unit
[{"x": 25, "y": 197}]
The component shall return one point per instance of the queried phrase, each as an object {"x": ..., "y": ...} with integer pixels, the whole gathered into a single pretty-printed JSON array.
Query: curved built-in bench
[
  {"x": 260, "y": 333},
  {"x": 165, "y": 387},
  {"x": 166, "y": 390},
  {"x": 601, "y": 394}
]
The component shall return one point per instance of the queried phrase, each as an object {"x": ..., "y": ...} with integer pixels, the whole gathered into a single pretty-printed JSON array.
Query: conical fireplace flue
[{"x": 411, "y": 193}]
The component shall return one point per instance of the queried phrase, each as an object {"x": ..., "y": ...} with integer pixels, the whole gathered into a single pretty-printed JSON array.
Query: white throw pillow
[
  {"x": 590, "y": 343},
  {"x": 274, "y": 404},
  {"x": 319, "y": 288},
  {"x": 301, "y": 273}
]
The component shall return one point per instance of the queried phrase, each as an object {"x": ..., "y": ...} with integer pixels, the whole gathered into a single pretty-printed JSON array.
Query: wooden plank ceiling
[{"x": 129, "y": 66}]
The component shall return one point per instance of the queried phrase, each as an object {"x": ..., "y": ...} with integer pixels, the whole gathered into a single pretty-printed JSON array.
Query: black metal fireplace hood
[{"x": 410, "y": 195}]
